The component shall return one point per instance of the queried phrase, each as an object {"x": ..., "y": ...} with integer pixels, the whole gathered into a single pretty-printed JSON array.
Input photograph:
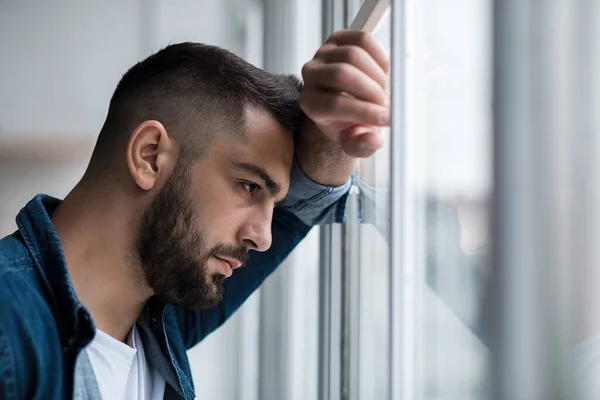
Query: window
[
  {"x": 408, "y": 296},
  {"x": 443, "y": 121},
  {"x": 447, "y": 188}
]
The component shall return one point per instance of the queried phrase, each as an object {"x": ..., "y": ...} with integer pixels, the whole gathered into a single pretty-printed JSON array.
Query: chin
[
  {"x": 205, "y": 303},
  {"x": 212, "y": 296}
]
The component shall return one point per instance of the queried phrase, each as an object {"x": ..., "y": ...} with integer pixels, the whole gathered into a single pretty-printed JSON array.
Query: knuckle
[
  {"x": 321, "y": 52},
  {"x": 364, "y": 38},
  {"x": 342, "y": 75},
  {"x": 324, "y": 51},
  {"x": 307, "y": 70},
  {"x": 334, "y": 36},
  {"x": 352, "y": 54}
]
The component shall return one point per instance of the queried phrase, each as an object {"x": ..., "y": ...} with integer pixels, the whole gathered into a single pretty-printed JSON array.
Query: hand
[{"x": 344, "y": 91}]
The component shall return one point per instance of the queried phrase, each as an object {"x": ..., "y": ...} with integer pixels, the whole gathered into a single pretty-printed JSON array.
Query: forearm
[{"x": 321, "y": 159}]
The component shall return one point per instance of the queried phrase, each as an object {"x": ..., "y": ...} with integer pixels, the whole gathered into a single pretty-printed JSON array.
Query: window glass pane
[
  {"x": 449, "y": 160},
  {"x": 447, "y": 189}
]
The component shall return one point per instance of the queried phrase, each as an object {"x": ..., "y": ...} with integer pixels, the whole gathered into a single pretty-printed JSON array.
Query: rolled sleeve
[{"x": 313, "y": 203}]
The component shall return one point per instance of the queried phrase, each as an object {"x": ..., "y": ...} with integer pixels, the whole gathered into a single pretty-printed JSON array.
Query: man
[{"x": 205, "y": 163}]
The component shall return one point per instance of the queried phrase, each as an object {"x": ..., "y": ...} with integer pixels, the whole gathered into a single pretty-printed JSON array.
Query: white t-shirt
[{"x": 121, "y": 369}]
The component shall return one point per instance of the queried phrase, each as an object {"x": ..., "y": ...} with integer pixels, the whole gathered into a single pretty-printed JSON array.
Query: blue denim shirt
[{"x": 44, "y": 327}]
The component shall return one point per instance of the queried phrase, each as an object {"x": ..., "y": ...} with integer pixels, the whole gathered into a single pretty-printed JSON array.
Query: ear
[{"x": 149, "y": 153}]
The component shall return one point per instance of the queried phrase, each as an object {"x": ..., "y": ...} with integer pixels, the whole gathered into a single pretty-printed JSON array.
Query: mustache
[{"x": 238, "y": 252}]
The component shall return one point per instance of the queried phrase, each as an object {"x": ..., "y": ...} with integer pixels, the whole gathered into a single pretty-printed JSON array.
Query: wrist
[{"x": 321, "y": 158}]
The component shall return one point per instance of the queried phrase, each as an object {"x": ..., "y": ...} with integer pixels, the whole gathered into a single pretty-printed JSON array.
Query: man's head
[{"x": 202, "y": 142}]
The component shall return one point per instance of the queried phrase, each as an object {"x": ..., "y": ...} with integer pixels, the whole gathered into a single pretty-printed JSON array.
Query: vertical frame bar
[
  {"x": 330, "y": 313},
  {"x": 350, "y": 301},
  {"x": 334, "y": 16},
  {"x": 396, "y": 370}
]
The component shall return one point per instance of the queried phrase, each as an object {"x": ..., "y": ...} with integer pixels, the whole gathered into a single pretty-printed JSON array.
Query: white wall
[
  {"x": 20, "y": 180},
  {"x": 61, "y": 60}
]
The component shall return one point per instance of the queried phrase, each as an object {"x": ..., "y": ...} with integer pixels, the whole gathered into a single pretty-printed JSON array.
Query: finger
[
  {"x": 364, "y": 40},
  {"x": 329, "y": 106},
  {"x": 343, "y": 77},
  {"x": 356, "y": 56},
  {"x": 327, "y": 47},
  {"x": 361, "y": 142}
]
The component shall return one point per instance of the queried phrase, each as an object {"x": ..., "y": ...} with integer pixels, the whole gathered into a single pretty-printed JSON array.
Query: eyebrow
[{"x": 273, "y": 187}]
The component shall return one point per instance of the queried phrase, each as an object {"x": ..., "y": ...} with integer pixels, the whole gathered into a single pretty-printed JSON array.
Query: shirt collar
[{"x": 34, "y": 223}]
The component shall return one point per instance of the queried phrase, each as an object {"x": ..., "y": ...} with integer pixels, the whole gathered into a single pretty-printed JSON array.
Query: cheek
[
  {"x": 222, "y": 219},
  {"x": 221, "y": 206}
]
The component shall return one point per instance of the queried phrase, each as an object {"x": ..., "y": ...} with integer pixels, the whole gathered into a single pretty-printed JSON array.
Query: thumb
[{"x": 361, "y": 141}]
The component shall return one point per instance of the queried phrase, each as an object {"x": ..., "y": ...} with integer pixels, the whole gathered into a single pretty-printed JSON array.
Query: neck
[{"x": 97, "y": 238}]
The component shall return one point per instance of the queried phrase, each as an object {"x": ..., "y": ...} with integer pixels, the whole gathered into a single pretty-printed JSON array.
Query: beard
[{"x": 172, "y": 251}]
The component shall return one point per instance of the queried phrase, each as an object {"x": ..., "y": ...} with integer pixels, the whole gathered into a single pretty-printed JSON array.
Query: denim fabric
[
  {"x": 315, "y": 204},
  {"x": 44, "y": 327}
]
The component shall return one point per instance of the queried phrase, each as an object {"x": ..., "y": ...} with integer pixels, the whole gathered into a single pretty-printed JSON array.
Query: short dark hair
[{"x": 194, "y": 90}]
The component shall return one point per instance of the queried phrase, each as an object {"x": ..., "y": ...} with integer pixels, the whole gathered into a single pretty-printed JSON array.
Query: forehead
[
  {"x": 264, "y": 143},
  {"x": 263, "y": 134}
]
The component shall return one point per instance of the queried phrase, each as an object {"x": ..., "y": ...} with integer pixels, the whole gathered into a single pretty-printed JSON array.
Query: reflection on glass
[
  {"x": 449, "y": 141},
  {"x": 448, "y": 186}
]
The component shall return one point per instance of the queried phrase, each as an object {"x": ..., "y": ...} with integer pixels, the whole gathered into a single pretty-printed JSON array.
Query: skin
[
  {"x": 159, "y": 226},
  {"x": 345, "y": 98}
]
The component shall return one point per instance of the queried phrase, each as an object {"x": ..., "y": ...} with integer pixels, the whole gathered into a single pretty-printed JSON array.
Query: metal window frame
[
  {"x": 399, "y": 379},
  {"x": 334, "y": 17},
  {"x": 369, "y": 15}
]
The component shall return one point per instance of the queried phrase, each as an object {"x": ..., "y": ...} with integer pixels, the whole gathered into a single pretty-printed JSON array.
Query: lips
[
  {"x": 228, "y": 264},
  {"x": 233, "y": 263},
  {"x": 225, "y": 266}
]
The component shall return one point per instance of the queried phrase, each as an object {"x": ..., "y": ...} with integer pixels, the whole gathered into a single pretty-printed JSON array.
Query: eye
[{"x": 249, "y": 187}]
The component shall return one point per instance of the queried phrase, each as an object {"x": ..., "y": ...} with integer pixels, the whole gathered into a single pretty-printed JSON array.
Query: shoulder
[
  {"x": 21, "y": 290},
  {"x": 14, "y": 253},
  {"x": 22, "y": 295},
  {"x": 28, "y": 335}
]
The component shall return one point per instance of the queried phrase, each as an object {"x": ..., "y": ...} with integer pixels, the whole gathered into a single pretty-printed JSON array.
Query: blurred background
[
  {"x": 467, "y": 265},
  {"x": 60, "y": 62}
]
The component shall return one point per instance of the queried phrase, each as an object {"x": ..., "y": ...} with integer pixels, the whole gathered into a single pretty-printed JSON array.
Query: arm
[
  {"x": 322, "y": 160},
  {"x": 7, "y": 376}
]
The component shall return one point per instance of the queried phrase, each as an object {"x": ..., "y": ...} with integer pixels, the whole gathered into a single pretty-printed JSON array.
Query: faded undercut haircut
[{"x": 196, "y": 91}]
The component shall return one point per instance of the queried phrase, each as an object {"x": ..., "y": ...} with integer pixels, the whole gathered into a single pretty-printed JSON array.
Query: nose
[{"x": 255, "y": 233}]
